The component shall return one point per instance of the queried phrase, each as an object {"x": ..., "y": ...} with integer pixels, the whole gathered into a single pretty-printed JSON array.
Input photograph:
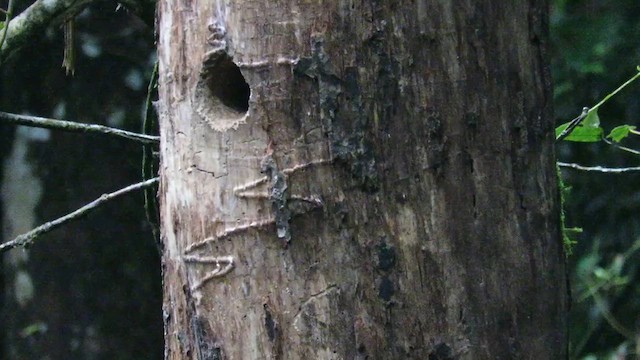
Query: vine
[{"x": 598, "y": 281}]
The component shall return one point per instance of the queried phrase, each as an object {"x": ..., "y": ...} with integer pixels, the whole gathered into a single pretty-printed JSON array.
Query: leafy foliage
[
  {"x": 594, "y": 45},
  {"x": 620, "y": 132},
  {"x": 582, "y": 133},
  {"x": 588, "y": 128}
]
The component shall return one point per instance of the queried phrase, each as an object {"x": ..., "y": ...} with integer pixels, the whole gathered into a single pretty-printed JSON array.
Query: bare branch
[
  {"x": 7, "y": 21},
  {"x": 28, "y": 238},
  {"x": 34, "y": 20},
  {"x": 573, "y": 124},
  {"x": 623, "y": 148},
  {"x": 598, "y": 168},
  {"x": 72, "y": 126}
]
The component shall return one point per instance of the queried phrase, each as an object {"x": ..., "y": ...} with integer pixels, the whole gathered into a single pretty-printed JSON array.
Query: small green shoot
[
  {"x": 568, "y": 240},
  {"x": 589, "y": 130}
]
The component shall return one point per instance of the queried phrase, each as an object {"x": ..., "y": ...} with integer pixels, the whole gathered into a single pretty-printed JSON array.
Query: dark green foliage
[
  {"x": 595, "y": 49},
  {"x": 97, "y": 280}
]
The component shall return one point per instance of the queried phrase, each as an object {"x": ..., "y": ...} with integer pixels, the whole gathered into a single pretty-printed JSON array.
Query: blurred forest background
[
  {"x": 595, "y": 48},
  {"x": 92, "y": 289}
]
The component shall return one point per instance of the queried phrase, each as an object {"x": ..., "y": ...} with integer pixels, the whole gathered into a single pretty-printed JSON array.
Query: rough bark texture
[{"x": 387, "y": 191}]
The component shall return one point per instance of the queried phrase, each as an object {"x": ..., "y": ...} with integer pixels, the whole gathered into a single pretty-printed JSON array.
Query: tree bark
[{"x": 359, "y": 180}]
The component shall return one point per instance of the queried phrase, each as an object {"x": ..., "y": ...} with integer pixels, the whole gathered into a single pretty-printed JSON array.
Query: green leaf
[
  {"x": 617, "y": 265},
  {"x": 586, "y": 265},
  {"x": 561, "y": 128},
  {"x": 35, "y": 328},
  {"x": 620, "y": 132},
  {"x": 621, "y": 280},
  {"x": 1, "y": 25},
  {"x": 601, "y": 273},
  {"x": 581, "y": 133},
  {"x": 575, "y": 230},
  {"x": 592, "y": 120}
]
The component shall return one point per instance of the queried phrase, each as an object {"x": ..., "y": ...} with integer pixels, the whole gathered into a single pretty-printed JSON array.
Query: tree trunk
[{"x": 359, "y": 180}]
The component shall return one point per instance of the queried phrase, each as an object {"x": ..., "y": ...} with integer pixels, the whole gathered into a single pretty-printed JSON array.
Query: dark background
[
  {"x": 596, "y": 49},
  {"x": 97, "y": 284}
]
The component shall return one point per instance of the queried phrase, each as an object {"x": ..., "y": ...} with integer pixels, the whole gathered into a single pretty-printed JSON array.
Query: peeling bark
[{"x": 358, "y": 179}]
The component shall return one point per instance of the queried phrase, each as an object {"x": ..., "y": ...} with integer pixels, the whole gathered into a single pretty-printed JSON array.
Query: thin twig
[
  {"x": 148, "y": 164},
  {"x": 34, "y": 21},
  {"x": 611, "y": 319},
  {"x": 7, "y": 20},
  {"x": 573, "y": 124},
  {"x": 596, "y": 106},
  {"x": 586, "y": 111},
  {"x": 598, "y": 168},
  {"x": 623, "y": 148},
  {"x": 69, "y": 55},
  {"x": 29, "y": 237},
  {"x": 35, "y": 121}
]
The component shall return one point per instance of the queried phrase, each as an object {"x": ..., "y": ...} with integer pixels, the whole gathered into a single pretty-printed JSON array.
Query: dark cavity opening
[{"x": 227, "y": 84}]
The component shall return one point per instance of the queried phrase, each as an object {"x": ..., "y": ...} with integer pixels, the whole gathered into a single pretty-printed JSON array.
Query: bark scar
[
  {"x": 278, "y": 193},
  {"x": 223, "y": 265},
  {"x": 330, "y": 290}
]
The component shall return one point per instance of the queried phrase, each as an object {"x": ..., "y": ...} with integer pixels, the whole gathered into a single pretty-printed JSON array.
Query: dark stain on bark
[
  {"x": 386, "y": 289},
  {"x": 387, "y": 69},
  {"x": 433, "y": 133},
  {"x": 198, "y": 337},
  {"x": 436, "y": 292},
  {"x": 341, "y": 112},
  {"x": 386, "y": 257},
  {"x": 205, "y": 344},
  {"x": 279, "y": 196},
  {"x": 340, "y": 214},
  {"x": 175, "y": 218},
  {"x": 442, "y": 351},
  {"x": 270, "y": 324},
  {"x": 472, "y": 119},
  {"x": 508, "y": 323},
  {"x": 273, "y": 331}
]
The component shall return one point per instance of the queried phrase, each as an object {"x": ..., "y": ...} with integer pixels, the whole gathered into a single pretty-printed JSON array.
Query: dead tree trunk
[{"x": 359, "y": 180}]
